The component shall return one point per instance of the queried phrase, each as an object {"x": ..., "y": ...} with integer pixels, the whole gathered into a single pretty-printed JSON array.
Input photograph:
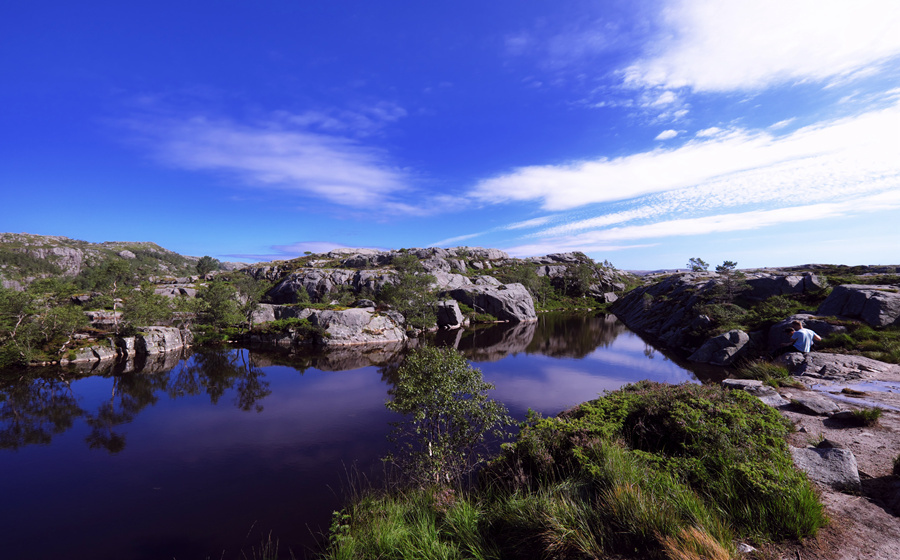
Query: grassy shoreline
[{"x": 648, "y": 471}]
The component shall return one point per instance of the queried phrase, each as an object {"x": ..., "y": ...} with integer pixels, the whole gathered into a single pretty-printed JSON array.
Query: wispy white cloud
[
  {"x": 724, "y": 46},
  {"x": 666, "y": 135},
  {"x": 450, "y": 241},
  {"x": 738, "y": 162},
  {"x": 780, "y": 124},
  {"x": 280, "y": 154},
  {"x": 532, "y": 223},
  {"x": 619, "y": 238}
]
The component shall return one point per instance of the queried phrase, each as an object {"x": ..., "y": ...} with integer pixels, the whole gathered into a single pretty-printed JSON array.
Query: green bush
[
  {"x": 749, "y": 478},
  {"x": 725, "y": 316},
  {"x": 772, "y": 310}
]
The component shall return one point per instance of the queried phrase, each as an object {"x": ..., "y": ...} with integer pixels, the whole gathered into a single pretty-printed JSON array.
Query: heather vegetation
[{"x": 649, "y": 471}]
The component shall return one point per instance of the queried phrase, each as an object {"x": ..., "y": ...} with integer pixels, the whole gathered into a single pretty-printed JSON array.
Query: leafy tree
[
  {"x": 696, "y": 264},
  {"x": 411, "y": 294},
  {"x": 16, "y": 311},
  {"x": 207, "y": 264},
  {"x": 251, "y": 291},
  {"x": 449, "y": 416},
  {"x": 108, "y": 278},
  {"x": 578, "y": 280},
  {"x": 146, "y": 307},
  {"x": 733, "y": 280},
  {"x": 218, "y": 304}
]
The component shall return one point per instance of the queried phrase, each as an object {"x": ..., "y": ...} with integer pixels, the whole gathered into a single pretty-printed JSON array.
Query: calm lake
[{"x": 203, "y": 457}]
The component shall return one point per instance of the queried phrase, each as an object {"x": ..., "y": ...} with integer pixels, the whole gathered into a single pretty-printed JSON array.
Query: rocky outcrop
[
  {"x": 817, "y": 366},
  {"x": 151, "y": 341},
  {"x": 358, "y": 326},
  {"x": 319, "y": 282},
  {"x": 765, "y": 285},
  {"x": 665, "y": 310},
  {"x": 66, "y": 257},
  {"x": 507, "y": 302},
  {"x": 878, "y": 306},
  {"x": 348, "y": 327},
  {"x": 722, "y": 350},
  {"x": 161, "y": 340}
]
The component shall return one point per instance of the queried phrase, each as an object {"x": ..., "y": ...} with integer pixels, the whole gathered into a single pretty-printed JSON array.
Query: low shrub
[
  {"x": 867, "y": 416},
  {"x": 483, "y": 318},
  {"x": 762, "y": 370},
  {"x": 725, "y": 316}
]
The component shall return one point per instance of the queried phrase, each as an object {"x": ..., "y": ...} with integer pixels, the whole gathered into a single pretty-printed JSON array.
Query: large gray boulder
[
  {"x": 830, "y": 466},
  {"x": 758, "y": 389},
  {"x": 160, "y": 340},
  {"x": 357, "y": 326},
  {"x": 448, "y": 314},
  {"x": 815, "y": 404},
  {"x": 507, "y": 302},
  {"x": 722, "y": 350},
  {"x": 878, "y": 306}
]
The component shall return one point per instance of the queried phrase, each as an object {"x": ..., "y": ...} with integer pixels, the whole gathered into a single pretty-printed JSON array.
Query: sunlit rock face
[{"x": 507, "y": 302}]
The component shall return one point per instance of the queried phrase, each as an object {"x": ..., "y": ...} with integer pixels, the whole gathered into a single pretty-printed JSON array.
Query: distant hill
[{"x": 26, "y": 257}]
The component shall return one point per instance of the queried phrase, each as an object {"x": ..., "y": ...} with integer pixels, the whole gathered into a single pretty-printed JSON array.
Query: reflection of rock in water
[
  {"x": 337, "y": 359},
  {"x": 495, "y": 342},
  {"x": 140, "y": 363},
  {"x": 574, "y": 336},
  {"x": 554, "y": 334}
]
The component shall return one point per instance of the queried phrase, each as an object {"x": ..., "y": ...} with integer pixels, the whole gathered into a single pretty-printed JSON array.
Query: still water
[{"x": 204, "y": 456}]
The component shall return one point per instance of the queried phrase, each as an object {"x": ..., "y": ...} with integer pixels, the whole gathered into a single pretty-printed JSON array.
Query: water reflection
[
  {"x": 200, "y": 448},
  {"x": 34, "y": 409}
]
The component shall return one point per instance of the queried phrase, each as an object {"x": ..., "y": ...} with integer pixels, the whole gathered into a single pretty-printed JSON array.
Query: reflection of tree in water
[
  {"x": 216, "y": 371},
  {"x": 130, "y": 394},
  {"x": 34, "y": 409}
]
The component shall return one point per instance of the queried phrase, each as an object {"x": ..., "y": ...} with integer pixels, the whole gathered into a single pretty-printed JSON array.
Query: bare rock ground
[{"x": 863, "y": 525}]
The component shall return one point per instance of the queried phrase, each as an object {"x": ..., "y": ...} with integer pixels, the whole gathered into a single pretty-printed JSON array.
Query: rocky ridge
[{"x": 26, "y": 257}]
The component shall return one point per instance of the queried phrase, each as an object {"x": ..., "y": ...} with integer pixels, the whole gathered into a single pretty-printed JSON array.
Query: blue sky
[{"x": 639, "y": 132}]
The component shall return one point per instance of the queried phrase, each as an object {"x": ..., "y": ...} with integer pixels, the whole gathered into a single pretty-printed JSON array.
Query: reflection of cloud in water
[{"x": 553, "y": 386}]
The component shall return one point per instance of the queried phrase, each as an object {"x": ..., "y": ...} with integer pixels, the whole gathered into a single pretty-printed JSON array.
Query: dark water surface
[{"x": 204, "y": 457}]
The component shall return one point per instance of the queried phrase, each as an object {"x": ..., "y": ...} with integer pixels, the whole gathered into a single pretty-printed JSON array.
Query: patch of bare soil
[{"x": 866, "y": 525}]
